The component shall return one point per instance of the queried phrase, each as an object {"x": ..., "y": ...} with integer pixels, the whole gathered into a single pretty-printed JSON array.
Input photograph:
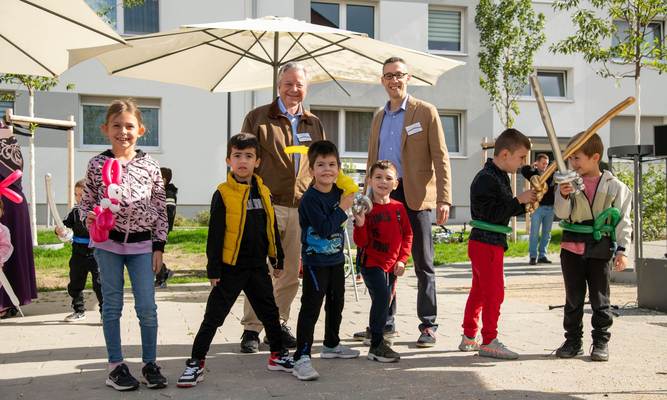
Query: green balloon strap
[
  {"x": 605, "y": 223},
  {"x": 490, "y": 227}
]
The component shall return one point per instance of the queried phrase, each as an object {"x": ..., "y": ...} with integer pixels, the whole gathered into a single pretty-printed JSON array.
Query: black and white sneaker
[
  {"x": 121, "y": 379},
  {"x": 280, "y": 361},
  {"x": 383, "y": 353},
  {"x": 193, "y": 374},
  {"x": 152, "y": 377}
]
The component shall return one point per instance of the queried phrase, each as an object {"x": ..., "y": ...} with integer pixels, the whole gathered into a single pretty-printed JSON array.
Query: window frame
[
  {"x": 462, "y": 31},
  {"x": 567, "y": 95},
  {"x": 659, "y": 22},
  {"x": 101, "y": 147},
  {"x": 120, "y": 20},
  {"x": 340, "y": 135},
  {"x": 342, "y": 11},
  {"x": 462, "y": 143}
]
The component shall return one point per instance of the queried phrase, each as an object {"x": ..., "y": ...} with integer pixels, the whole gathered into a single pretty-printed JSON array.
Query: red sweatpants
[{"x": 487, "y": 292}]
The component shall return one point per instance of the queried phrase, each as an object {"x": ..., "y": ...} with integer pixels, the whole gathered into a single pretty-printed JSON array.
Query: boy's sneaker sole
[
  {"x": 160, "y": 385},
  {"x": 338, "y": 355},
  {"x": 306, "y": 378},
  {"x": 277, "y": 367},
  {"x": 186, "y": 385},
  {"x": 113, "y": 384},
  {"x": 381, "y": 359},
  {"x": 580, "y": 352}
]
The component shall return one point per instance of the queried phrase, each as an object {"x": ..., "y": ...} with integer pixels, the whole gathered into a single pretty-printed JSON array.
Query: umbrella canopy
[
  {"x": 245, "y": 55},
  {"x": 36, "y": 34}
]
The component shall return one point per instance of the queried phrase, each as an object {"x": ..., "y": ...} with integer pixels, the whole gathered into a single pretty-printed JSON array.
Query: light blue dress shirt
[
  {"x": 294, "y": 121},
  {"x": 390, "y": 135}
]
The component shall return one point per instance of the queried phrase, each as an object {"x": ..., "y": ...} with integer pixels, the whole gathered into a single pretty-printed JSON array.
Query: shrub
[{"x": 202, "y": 217}]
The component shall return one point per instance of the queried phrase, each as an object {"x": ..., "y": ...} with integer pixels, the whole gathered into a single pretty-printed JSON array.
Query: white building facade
[{"x": 188, "y": 128}]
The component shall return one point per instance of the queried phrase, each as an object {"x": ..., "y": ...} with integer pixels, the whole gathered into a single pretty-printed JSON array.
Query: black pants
[
  {"x": 79, "y": 267},
  {"x": 422, "y": 255},
  {"x": 380, "y": 286},
  {"x": 320, "y": 283},
  {"x": 255, "y": 282},
  {"x": 579, "y": 272}
]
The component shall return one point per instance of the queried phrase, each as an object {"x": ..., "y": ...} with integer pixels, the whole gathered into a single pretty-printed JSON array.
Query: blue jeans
[
  {"x": 544, "y": 217},
  {"x": 139, "y": 267}
]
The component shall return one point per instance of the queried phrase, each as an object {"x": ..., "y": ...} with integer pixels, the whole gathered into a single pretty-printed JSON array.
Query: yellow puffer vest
[{"x": 235, "y": 196}]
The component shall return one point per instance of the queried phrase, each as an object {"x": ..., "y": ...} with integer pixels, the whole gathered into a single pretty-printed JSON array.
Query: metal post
[
  {"x": 275, "y": 65},
  {"x": 637, "y": 207},
  {"x": 70, "y": 166}
]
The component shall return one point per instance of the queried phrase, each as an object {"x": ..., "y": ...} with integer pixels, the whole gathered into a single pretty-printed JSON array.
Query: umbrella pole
[{"x": 275, "y": 65}]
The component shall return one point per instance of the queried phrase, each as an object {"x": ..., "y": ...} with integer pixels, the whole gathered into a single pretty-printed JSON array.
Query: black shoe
[
  {"x": 543, "y": 260},
  {"x": 383, "y": 353},
  {"x": 363, "y": 335},
  {"x": 599, "y": 351},
  {"x": 427, "y": 338},
  {"x": 533, "y": 261},
  {"x": 152, "y": 377},
  {"x": 121, "y": 379},
  {"x": 250, "y": 342},
  {"x": 289, "y": 341},
  {"x": 570, "y": 348}
]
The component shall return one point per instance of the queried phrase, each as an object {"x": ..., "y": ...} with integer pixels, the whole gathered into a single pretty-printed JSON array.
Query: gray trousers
[{"x": 422, "y": 255}]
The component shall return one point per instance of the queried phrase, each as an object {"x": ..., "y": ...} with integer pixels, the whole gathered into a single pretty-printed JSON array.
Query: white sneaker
[
  {"x": 303, "y": 369},
  {"x": 339, "y": 351},
  {"x": 495, "y": 349},
  {"x": 75, "y": 316},
  {"x": 468, "y": 344}
]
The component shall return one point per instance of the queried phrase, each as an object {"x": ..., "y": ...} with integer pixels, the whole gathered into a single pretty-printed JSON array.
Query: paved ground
[{"x": 42, "y": 357}]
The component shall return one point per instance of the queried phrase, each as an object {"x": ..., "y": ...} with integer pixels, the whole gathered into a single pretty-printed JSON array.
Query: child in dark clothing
[
  {"x": 82, "y": 260},
  {"x": 242, "y": 232},
  {"x": 322, "y": 215},
  {"x": 170, "y": 191},
  {"x": 384, "y": 239},
  {"x": 492, "y": 205}
]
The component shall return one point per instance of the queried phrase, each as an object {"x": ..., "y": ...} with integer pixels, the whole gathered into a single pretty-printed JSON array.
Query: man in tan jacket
[
  {"x": 408, "y": 132},
  {"x": 282, "y": 123}
]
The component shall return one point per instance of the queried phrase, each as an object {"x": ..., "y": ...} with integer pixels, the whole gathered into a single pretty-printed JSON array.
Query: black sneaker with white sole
[
  {"x": 289, "y": 341},
  {"x": 249, "y": 342},
  {"x": 121, "y": 379},
  {"x": 193, "y": 374},
  {"x": 152, "y": 377},
  {"x": 383, "y": 353}
]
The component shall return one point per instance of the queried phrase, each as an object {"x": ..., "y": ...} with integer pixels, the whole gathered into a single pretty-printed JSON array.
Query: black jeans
[
  {"x": 579, "y": 272},
  {"x": 320, "y": 283},
  {"x": 255, "y": 282},
  {"x": 79, "y": 267},
  {"x": 380, "y": 286},
  {"x": 422, "y": 256}
]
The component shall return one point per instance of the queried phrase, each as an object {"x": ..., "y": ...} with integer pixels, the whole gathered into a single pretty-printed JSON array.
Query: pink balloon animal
[
  {"x": 5, "y": 191},
  {"x": 110, "y": 204}
]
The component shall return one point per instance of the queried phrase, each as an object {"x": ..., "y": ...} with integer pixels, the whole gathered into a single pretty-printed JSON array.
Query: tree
[
  {"x": 510, "y": 34},
  {"x": 616, "y": 34}
]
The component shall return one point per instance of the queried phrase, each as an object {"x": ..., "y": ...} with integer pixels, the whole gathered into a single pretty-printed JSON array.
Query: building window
[
  {"x": 553, "y": 84},
  {"x": 353, "y": 17},
  {"x": 444, "y": 30},
  {"x": 6, "y": 102},
  {"x": 93, "y": 116},
  {"x": 451, "y": 124},
  {"x": 135, "y": 20},
  {"x": 353, "y": 140},
  {"x": 654, "y": 32}
]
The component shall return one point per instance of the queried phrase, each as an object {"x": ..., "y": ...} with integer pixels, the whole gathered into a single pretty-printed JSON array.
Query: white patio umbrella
[
  {"x": 36, "y": 34},
  {"x": 246, "y": 55}
]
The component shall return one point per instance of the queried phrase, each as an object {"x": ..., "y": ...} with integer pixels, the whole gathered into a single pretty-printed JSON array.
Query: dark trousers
[
  {"x": 380, "y": 286},
  {"x": 320, "y": 283},
  {"x": 578, "y": 273},
  {"x": 79, "y": 267},
  {"x": 422, "y": 255},
  {"x": 255, "y": 282}
]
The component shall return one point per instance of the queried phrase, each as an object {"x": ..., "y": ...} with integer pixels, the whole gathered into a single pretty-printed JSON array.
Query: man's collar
[
  {"x": 404, "y": 104},
  {"x": 283, "y": 109}
]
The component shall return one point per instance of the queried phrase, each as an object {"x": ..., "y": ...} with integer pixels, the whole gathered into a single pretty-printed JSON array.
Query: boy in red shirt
[{"x": 384, "y": 238}]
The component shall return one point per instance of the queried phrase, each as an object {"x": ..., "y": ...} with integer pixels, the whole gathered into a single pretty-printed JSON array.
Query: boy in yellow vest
[{"x": 242, "y": 233}]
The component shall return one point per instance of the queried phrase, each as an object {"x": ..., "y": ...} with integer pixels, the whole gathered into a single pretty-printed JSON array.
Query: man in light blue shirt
[{"x": 390, "y": 135}]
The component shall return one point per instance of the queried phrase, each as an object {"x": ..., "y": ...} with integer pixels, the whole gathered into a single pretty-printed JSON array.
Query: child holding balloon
[{"x": 124, "y": 204}]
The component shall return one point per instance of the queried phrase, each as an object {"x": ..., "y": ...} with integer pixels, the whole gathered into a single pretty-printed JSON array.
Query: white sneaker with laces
[
  {"x": 339, "y": 351},
  {"x": 303, "y": 369}
]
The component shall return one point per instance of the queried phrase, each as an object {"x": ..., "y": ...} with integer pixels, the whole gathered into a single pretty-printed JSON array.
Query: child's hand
[
  {"x": 399, "y": 268},
  {"x": 359, "y": 219},
  {"x": 60, "y": 232},
  {"x": 346, "y": 201},
  {"x": 566, "y": 189},
  {"x": 157, "y": 261},
  {"x": 277, "y": 272},
  {"x": 529, "y": 196},
  {"x": 620, "y": 262},
  {"x": 214, "y": 282},
  {"x": 90, "y": 218}
]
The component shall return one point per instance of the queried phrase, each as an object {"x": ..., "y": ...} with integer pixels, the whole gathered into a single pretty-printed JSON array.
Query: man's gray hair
[{"x": 292, "y": 65}]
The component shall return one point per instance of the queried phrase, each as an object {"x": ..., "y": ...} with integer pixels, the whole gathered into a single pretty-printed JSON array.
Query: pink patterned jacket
[{"x": 143, "y": 211}]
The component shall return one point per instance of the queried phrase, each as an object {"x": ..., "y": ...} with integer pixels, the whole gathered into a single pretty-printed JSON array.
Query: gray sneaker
[
  {"x": 75, "y": 316},
  {"x": 495, "y": 349},
  {"x": 468, "y": 344},
  {"x": 339, "y": 351},
  {"x": 303, "y": 369}
]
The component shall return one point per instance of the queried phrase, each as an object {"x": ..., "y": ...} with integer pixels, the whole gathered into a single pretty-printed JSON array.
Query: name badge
[
  {"x": 414, "y": 128},
  {"x": 304, "y": 137}
]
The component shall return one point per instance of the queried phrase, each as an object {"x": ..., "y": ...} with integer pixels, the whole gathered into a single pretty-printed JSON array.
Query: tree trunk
[
  {"x": 638, "y": 110},
  {"x": 33, "y": 197}
]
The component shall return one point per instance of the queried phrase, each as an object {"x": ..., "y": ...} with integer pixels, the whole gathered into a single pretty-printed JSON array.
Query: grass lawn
[{"x": 186, "y": 255}]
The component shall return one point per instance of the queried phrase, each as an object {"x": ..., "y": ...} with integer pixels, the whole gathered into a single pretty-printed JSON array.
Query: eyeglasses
[{"x": 398, "y": 75}]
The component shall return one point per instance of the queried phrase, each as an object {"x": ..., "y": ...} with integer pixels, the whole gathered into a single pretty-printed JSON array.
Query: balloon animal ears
[{"x": 5, "y": 191}]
